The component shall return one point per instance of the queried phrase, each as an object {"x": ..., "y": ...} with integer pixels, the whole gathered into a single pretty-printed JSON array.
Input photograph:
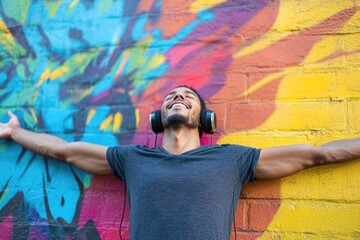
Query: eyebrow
[{"x": 186, "y": 91}]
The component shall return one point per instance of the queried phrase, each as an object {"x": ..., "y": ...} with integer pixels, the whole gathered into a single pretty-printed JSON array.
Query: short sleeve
[
  {"x": 248, "y": 159},
  {"x": 115, "y": 157}
]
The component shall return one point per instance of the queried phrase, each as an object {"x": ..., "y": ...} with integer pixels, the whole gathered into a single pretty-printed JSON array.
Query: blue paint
[
  {"x": 49, "y": 42},
  {"x": 139, "y": 26}
]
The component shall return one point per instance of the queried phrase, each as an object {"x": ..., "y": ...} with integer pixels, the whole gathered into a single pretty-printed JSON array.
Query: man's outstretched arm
[
  {"x": 282, "y": 161},
  {"x": 86, "y": 156}
]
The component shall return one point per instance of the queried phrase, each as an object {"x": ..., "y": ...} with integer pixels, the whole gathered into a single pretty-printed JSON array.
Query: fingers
[{"x": 10, "y": 113}]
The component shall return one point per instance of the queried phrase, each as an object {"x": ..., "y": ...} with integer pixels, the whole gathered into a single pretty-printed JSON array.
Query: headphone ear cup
[
  {"x": 155, "y": 122},
  {"x": 208, "y": 121}
]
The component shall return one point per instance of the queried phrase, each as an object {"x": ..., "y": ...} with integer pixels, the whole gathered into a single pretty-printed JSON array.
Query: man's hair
[{"x": 202, "y": 103}]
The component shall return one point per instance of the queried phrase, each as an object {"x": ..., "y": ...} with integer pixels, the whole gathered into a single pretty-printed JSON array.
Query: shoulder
[
  {"x": 124, "y": 150},
  {"x": 235, "y": 147},
  {"x": 228, "y": 149},
  {"x": 129, "y": 147},
  {"x": 241, "y": 151}
]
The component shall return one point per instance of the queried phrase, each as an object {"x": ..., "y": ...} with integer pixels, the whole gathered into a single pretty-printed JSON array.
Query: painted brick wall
[{"x": 275, "y": 72}]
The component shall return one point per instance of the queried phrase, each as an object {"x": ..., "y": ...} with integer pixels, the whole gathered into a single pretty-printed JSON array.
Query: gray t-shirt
[{"x": 192, "y": 195}]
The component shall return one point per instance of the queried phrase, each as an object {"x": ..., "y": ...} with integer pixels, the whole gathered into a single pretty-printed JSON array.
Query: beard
[{"x": 178, "y": 120}]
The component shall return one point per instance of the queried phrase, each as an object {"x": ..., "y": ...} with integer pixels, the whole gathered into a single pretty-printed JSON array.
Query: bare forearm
[
  {"x": 282, "y": 161},
  {"x": 86, "y": 156},
  {"x": 341, "y": 151},
  {"x": 40, "y": 143}
]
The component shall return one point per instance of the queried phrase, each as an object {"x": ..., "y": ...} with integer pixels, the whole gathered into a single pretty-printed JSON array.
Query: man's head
[{"x": 182, "y": 108}]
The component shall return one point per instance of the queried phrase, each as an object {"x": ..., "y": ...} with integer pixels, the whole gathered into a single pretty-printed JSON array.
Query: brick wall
[{"x": 275, "y": 72}]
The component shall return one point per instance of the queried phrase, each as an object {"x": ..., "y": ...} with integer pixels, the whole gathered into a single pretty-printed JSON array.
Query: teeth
[{"x": 179, "y": 105}]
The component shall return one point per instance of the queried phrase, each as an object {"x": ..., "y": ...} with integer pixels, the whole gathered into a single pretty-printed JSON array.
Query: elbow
[
  {"x": 56, "y": 151},
  {"x": 321, "y": 156}
]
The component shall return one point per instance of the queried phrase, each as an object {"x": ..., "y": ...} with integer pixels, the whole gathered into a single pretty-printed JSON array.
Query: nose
[{"x": 179, "y": 95}]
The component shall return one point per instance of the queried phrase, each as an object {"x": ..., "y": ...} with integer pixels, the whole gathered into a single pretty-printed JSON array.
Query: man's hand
[{"x": 6, "y": 128}]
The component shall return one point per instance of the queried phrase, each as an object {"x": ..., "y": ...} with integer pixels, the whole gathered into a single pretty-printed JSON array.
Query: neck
[{"x": 177, "y": 141}]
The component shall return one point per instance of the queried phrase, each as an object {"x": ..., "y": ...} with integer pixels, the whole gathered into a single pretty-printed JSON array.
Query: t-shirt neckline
[{"x": 186, "y": 152}]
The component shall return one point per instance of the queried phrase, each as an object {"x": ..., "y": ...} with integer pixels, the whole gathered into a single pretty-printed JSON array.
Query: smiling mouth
[{"x": 178, "y": 105}]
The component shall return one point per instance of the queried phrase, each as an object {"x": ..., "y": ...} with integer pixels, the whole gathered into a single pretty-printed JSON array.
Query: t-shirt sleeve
[
  {"x": 248, "y": 159},
  {"x": 116, "y": 158}
]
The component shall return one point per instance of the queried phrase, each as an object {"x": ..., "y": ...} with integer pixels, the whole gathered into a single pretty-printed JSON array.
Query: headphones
[{"x": 207, "y": 121}]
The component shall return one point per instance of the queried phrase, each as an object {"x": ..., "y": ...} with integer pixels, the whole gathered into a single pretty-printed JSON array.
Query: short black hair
[{"x": 202, "y": 103}]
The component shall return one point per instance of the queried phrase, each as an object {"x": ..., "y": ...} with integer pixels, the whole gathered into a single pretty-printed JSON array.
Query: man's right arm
[{"x": 86, "y": 156}]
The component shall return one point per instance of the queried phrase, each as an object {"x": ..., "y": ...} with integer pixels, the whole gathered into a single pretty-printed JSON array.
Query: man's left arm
[{"x": 277, "y": 162}]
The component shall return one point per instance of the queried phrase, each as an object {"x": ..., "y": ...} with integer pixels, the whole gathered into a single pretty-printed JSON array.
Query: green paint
[
  {"x": 17, "y": 11},
  {"x": 20, "y": 70},
  {"x": 2, "y": 149},
  {"x": 4, "y": 195},
  {"x": 87, "y": 180},
  {"x": 31, "y": 63},
  {"x": 29, "y": 120},
  {"x": 52, "y": 6},
  {"x": 104, "y": 5},
  {"x": 80, "y": 61},
  {"x": 20, "y": 98}
]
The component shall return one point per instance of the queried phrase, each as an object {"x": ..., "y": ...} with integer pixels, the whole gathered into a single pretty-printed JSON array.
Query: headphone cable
[
  {"x": 156, "y": 136},
  {"x": 123, "y": 211},
  {"x": 234, "y": 213}
]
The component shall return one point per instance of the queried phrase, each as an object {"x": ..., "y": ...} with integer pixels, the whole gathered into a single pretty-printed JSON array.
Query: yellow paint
[
  {"x": 73, "y": 3},
  {"x": 149, "y": 64},
  {"x": 124, "y": 60},
  {"x": 334, "y": 43},
  {"x": 52, "y": 7},
  {"x": 90, "y": 115},
  {"x": 316, "y": 102},
  {"x": 106, "y": 122},
  {"x": 57, "y": 73},
  {"x": 155, "y": 61},
  {"x": 260, "y": 139},
  {"x": 295, "y": 16},
  {"x": 44, "y": 76},
  {"x": 324, "y": 201},
  {"x": 323, "y": 49},
  {"x": 118, "y": 118},
  {"x": 35, "y": 96},
  {"x": 200, "y": 5},
  {"x": 137, "y": 117},
  {"x": 354, "y": 116},
  {"x": 6, "y": 36},
  {"x": 85, "y": 93},
  {"x": 265, "y": 81},
  {"x": 321, "y": 220},
  {"x": 33, "y": 114}
]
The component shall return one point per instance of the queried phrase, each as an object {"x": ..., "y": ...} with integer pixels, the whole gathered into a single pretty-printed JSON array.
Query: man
[{"x": 183, "y": 190}]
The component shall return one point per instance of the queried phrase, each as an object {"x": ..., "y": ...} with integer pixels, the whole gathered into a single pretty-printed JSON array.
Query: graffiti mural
[{"x": 93, "y": 71}]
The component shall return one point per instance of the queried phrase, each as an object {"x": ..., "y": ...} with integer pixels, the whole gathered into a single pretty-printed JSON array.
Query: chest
[{"x": 176, "y": 173}]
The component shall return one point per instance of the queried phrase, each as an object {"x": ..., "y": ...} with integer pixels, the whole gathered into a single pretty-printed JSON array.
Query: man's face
[{"x": 181, "y": 107}]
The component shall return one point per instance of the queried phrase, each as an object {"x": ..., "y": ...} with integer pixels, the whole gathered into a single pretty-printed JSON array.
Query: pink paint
[
  {"x": 101, "y": 95},
  {"x": 103, "y": 204},
  {"x": 6, "y": 227},
  {"x": 177, "y": 54}
]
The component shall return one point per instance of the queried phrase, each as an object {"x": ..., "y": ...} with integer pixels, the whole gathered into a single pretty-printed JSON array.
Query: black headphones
[{"x": 207, "y": 121}]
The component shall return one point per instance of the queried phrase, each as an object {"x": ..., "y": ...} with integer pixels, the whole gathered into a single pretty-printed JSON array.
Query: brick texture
[{"x": 275, "y": 73}]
